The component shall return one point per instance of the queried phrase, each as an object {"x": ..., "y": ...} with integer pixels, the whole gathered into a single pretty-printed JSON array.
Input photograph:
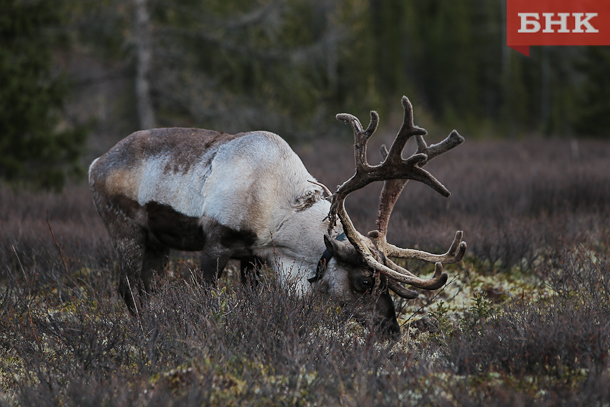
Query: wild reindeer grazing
[{"x": 248, "y": 196}]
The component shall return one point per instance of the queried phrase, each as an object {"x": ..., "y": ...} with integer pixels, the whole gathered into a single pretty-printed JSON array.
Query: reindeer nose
[
  {"x": 390, "y": 329},
  {"x": 395, "y": 331}
]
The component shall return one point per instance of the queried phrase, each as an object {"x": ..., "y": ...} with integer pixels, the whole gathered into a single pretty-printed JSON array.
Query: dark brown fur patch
[
  {"x": 126, "y": 205},
  {"x": 184, "y": 146},
  {"x": 181, "y": 232},
  {"x": 307, "y": 201},
  {"x": 174, "y": 229},
  {"x": 240, "y": 242}
]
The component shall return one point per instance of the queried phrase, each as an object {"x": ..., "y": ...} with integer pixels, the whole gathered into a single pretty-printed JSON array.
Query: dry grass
[{"x": 535, "y": 332}]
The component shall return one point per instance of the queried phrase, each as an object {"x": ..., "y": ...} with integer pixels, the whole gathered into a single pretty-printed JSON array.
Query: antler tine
[
  {"x": 397, "y": 273},
  {"x": 454, "y": 254},
  {"x": 407, "y": 130},
  {"x": 453, "y": 140},
  {"x": 361, "y": 138},
  {"x": 360, "y": 178},
  {"x": 402, "y": 291}
]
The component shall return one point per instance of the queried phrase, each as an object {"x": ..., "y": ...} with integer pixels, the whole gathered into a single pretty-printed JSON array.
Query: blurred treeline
[
  {"x": 289, "y": 66},
  {"x": 240, "y": 64}
]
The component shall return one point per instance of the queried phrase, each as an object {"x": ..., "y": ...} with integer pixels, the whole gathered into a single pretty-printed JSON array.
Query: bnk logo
[
  {"x": 530, "y": 22},
  {"x": 557, "y": 22}
]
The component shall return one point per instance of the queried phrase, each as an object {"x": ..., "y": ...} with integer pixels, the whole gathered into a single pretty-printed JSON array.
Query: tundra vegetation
[{"x": 521, "y": 321}]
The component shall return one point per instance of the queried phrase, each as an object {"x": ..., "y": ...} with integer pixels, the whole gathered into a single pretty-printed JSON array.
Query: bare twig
[{"x": 47, "y": 224}]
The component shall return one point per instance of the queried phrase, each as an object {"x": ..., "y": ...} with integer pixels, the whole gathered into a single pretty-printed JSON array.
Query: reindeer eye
[{"x": 366, "y": 283}]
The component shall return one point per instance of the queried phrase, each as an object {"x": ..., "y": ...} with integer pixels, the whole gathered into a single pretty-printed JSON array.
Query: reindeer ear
[{"x": 342, "y": 249}]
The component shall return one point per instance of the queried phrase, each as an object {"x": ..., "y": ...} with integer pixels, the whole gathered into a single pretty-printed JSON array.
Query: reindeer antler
[{"x": 396, "y": 172}]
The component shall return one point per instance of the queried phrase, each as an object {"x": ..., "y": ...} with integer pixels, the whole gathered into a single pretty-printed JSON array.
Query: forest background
[
  {"x": 110, "y": 67},
  {"x": 522, "y": 319}
]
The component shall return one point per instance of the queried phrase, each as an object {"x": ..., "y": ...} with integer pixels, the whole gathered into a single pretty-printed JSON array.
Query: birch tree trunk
[{"x": 143, "y": 46}]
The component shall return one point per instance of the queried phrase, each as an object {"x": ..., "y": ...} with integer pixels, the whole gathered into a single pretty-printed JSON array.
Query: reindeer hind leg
[
  {"x": 131, "y": 253},
  {"x": 156, "y": 257}
]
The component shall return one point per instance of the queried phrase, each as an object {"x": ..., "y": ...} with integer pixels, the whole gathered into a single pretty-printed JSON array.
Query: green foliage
[
  {"x": 441, "y": 314},
  {"x": 477, "y": 314},
  {"x": 481, "y": 307},
  {"x": 32, "y": 148}
]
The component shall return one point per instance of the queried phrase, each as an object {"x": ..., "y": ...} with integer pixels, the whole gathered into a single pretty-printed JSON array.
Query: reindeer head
[
  {"x": 363, "y": 270},
  {"x": 353, "y": 283}
]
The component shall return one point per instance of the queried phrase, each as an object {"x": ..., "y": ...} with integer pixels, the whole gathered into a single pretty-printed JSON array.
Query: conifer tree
[
  {"x": 593, "y": 115},
  {"x": 32, "y": 149}
]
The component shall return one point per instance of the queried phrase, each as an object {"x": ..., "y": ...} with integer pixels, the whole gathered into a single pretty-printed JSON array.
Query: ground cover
[{"x": 522, "y": 321}]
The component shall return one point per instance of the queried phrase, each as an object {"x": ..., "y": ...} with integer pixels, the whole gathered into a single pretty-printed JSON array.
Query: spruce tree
[{"x": 593, "y": 112}]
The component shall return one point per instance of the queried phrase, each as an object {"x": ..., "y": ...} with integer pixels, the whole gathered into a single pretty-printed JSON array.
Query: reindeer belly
[
  {"x": 174, "y": 229},
  {"x": 181, "y": 232}
]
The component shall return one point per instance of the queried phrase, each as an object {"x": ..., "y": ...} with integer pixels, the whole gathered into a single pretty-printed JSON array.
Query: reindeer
[{"x": 249, "y": 197}]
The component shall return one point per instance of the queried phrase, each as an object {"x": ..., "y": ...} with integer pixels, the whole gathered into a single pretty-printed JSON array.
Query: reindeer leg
[
  {"x": 214, "y": 258},
  {"x": 221, "y": 245},
  {"x": 130, "y": 251},
  {"x": 156, "y": 257},
  {"x": 122, "y": 217}
]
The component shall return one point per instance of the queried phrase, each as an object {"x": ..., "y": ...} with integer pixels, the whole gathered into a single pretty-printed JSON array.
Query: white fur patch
[
  {"x": 254, "y": 183},
  {"x": 181, "y": 191}
]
